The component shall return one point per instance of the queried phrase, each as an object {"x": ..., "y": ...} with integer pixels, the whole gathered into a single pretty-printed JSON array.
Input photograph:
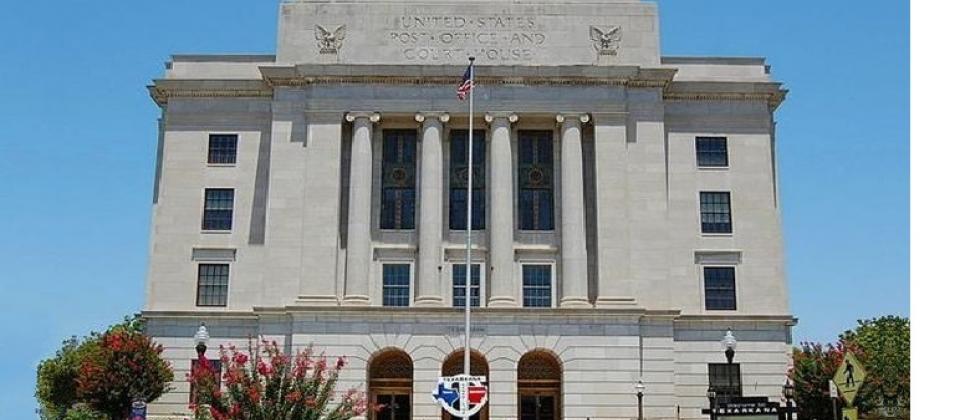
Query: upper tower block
[{"x": 425, "y": 32}]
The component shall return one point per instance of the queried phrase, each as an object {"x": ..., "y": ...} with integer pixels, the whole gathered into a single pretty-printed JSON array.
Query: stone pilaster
[
  {"x": 321, "y": 209},
  {"x": 357, "y": 289},
  {"x": 573, "y": 230},
  {"x": 430, "y": 223},
  {"x": 503, "y": 286}
]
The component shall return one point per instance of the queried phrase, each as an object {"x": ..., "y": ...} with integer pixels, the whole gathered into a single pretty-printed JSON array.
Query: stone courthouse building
[{"x": 626, "y": 210}]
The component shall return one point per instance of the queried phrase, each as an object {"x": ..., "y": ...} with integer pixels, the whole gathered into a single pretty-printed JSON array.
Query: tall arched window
[
  {"x": 390, "y": 378},
  {"x": 539, "y": 380},
  {"x": 478, "y": 366}
]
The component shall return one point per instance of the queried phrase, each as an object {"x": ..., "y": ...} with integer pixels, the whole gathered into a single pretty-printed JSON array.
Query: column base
[
  {"x": 502, "y": 302},
  {"x": 356, "y": 300},
  {"x": 428, "y": 301},
  {"x": 616, "y": 302},
  {"x": 317, "y": 300},
  {"x": 575, "y": 302}
]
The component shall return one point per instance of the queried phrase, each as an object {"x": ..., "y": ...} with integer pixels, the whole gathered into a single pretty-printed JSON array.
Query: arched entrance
[
  {"x": 390, "y": 378},
  {"x": 478, "y": 366},
  {"x": 539, "y": 379}
]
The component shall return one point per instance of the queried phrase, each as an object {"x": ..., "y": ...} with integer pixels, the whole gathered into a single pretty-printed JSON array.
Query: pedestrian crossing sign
[{"x": 849, "y": 377}]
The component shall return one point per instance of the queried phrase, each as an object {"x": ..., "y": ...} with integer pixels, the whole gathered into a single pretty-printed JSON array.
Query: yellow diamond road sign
[{"x": 849, "y": 377}]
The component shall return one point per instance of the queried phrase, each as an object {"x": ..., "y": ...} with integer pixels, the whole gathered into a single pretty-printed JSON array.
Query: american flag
[{"x": 466, "y": 84}]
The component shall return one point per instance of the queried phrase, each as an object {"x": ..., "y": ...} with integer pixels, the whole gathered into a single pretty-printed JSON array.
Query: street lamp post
[
  {"x": 712, "y": 397},
  {"x": 729, "y": 345},
  {"x": 640, "y": 387},
  {"x": 788, "y": 394},
  {"x": 200, "y": 339}
]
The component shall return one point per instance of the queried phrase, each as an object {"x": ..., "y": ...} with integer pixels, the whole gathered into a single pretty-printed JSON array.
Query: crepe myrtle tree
[
  {"x": 124, "y": 367},
  {"x": 100, "y": 375},
  {"x": 272, "y": 385}
]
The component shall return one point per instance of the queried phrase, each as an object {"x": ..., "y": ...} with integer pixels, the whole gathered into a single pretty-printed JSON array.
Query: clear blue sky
[{"x": 78, "y": 136}]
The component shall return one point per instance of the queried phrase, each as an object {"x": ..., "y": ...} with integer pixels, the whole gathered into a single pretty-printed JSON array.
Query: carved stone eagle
[
  {"x": 606, "y": 40},
  {"x": 330, "y": 42}
]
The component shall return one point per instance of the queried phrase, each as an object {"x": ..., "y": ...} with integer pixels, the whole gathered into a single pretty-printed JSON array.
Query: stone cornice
[
  {"x": 674, "y": 315},
  {"x": 770, "y": 92},
  {"x": 164, "y": 89},
  {"x": 315, "y": 74},
  {"x": 318, "y": 74}
]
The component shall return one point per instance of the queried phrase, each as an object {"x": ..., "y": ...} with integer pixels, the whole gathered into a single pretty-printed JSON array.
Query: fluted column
[
  {"x": 357, "y": 289},
  {"x": 573, "y": 233},
  {"x": 503, "y": 286},
  {"x": 430, "y": 224}
]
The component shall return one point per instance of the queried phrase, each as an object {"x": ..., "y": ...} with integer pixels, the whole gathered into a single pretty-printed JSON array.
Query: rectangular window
[
  {"x": 536, "y": 179},
  {"x": 712, "y": 152},
  {"x": 216, "y": 367},
  {"x": 459, "y": 285},
  {"x": 212, "y": 281},
  {"x": 222, "y": 149},
  {"x": 218, "y": 209},
  {"x": 396, "y": 285},
  {"x": 398, "y": 191},
  {"x": 537, "y": 286},
  {"x": 458, "y": 180},
  {"x": 725, "y": 379},
  {"x": 715, "y": 215},
  {"x": 720, "y": 288}
]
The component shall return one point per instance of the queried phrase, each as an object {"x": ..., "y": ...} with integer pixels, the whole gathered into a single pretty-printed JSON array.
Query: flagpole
[{"x": 469, "y": 270}]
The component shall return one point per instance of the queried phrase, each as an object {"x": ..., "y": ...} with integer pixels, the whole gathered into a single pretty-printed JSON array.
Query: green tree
[
  {"x": 885, "y": 345},
  {"x": 57, "y": 377},
  {"x": 881, "y": 344}
]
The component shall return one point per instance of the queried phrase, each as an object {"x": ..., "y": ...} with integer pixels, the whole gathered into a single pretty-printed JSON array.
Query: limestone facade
[{"x": 307, "y": 250}]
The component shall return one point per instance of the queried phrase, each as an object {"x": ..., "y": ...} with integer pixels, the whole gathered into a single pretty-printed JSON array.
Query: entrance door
[
  {"x": 391, "y": 384},
  {"x": 394, "y": 406},
  {"x": 539, "y": 406},
  {"x": 539, "y": 386}
]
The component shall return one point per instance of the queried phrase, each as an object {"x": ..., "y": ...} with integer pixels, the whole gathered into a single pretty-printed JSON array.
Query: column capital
[
  {"x": 491, "y": 116},
  {"x": 371, "y": 115},
  {"x": 424, "y": 115},
  {"x": 572, "y": 117}
]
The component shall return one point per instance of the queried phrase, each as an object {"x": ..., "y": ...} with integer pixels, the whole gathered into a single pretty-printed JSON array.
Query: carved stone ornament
[
  {"x": 330, "y": 42},
  {"x": 606, "y": 40}
]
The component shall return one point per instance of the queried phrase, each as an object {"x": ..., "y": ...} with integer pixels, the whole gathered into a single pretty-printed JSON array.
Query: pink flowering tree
[{"x": 273, "y": 386}]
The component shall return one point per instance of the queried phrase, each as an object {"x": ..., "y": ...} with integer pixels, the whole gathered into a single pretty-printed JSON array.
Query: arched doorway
[
  {"x": 390, "y": 378},
  {"x": 539, "y": 380},
  {"x": 478, "y": 366}
]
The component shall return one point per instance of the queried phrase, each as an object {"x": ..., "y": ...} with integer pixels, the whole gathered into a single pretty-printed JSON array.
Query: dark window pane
[
  {"x": 712, "y": 151},
  {"x": 715, "y": 213},
  {"x": 458, "y": 180},
  {"x": 222, "y": 148},
  {"x": 396, "y": 285},
  {"x": 459, "y": 285},
  {"x": 398, "y": 180},
  {"x": 218, "y": 209},
  {"x": 212, "y": 283},
  {"x": 720, "y": 288},
  {"x": 537, "y": 286},
  {"x": 725, "y": 379},
  {"x": 535, "y": 169}
]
